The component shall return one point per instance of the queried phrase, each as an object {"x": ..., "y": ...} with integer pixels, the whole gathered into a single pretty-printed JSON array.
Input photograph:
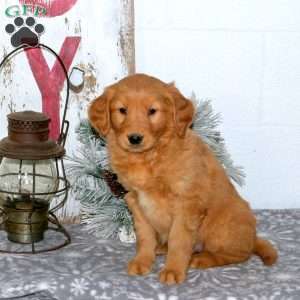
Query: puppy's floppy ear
[
  {"x": 183, "y": 110},
  {"x": 99, "y": 114}
]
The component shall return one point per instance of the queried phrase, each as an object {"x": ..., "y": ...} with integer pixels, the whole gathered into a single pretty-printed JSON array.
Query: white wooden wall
[{"x": 244, "y": 55}]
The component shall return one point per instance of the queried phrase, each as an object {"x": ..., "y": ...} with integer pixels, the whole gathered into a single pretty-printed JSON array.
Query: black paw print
[{"x": 24, "y": 33}]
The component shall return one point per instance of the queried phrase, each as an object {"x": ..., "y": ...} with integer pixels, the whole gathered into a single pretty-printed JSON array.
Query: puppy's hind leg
[
  {"x": 227, "y": 243},
  {"x": 207, "y": 259},
  {"x": 146, "y": 244}
]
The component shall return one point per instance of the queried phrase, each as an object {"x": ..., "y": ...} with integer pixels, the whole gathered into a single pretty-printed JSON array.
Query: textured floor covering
[{"x": 95, "y": 269}]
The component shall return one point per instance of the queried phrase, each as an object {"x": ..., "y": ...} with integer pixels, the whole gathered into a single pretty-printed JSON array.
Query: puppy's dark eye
[
  {"x": 151, "y": 111},
  {"x": 123, "y": 110}
]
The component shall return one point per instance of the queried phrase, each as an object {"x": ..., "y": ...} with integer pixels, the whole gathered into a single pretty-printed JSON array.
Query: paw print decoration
[{"x": 24, "y": 32}]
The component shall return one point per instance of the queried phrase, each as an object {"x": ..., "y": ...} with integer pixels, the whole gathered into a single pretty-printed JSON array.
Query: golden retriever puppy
[{"x": 180, "y": 196}]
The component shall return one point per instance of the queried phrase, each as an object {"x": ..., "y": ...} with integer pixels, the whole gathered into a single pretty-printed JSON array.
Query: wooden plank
[{"x": 96, "y": 36}]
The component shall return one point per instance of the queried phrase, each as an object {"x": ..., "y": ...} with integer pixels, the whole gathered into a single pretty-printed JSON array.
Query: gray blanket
[{"x": 95, "y": 269}]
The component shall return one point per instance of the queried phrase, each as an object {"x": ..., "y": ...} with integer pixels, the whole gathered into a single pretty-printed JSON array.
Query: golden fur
[{"x": 179, "y": 194}]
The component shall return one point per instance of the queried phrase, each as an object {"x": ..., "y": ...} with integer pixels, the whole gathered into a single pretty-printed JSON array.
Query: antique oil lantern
[{"x": 32, "y": 175}]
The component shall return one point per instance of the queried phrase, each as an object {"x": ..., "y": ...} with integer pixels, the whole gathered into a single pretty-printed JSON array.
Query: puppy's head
[{"x": 141, "y": 112}]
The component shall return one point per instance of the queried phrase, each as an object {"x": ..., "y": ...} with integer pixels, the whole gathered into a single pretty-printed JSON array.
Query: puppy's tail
[{"x": 265, "y": 251}]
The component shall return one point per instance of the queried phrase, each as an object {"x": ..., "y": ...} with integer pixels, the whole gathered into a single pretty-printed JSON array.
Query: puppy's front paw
[
  {"x": 168, "y": 276},
  {"x": 138, "y": 267}
]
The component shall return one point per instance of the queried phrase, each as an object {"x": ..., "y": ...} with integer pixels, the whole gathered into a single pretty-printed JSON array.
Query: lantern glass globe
[{"x": 27, "y": 177}]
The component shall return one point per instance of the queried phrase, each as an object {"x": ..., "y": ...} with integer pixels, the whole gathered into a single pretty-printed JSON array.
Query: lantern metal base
[
  {"x": 25, "y": 238},
  {"x": 33, "y": 238},
  {"x": 26, "y": 221}
]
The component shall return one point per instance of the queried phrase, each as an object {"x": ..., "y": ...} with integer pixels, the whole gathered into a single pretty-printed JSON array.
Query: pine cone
[{"x": 112, "y": 180}]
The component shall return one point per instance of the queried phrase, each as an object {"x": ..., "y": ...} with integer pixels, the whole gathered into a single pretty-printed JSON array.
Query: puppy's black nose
[{"x": 135, "y": 138}]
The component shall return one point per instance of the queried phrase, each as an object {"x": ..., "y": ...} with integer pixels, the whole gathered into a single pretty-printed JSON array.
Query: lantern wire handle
[{"x": 64, "y": 123}]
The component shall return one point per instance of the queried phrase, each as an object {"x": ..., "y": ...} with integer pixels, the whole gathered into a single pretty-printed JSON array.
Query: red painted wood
[
  {"x": 50, "y": 82},
  {"x": 54, "y": 7}
]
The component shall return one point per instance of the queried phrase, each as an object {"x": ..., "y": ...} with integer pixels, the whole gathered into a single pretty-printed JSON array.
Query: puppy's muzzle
[{"x": 135, "y": 138}]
